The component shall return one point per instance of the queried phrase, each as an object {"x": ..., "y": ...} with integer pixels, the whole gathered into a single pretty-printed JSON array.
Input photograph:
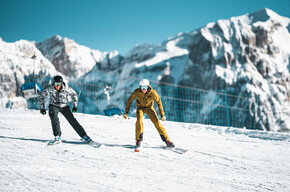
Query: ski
[
  {"x": 176, "y": 150},
  {"x": 90, "y": 143}
]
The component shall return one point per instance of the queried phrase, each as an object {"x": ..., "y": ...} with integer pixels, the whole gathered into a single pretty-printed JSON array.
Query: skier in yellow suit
[{"x": 145, "y": 100}]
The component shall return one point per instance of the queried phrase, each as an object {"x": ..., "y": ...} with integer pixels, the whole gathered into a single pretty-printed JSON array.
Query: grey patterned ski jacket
[{"x": 57, "y": 98}]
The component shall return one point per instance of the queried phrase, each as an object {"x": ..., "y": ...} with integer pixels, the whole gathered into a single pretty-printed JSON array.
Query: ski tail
[{"x": 177, "y": 150}]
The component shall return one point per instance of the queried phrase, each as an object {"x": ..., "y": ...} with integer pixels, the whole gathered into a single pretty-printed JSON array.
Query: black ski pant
[{"x": 53, "y": 114}]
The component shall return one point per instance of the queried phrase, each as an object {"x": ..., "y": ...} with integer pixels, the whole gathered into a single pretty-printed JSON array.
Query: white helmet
[{"x": 144, "y": 82}]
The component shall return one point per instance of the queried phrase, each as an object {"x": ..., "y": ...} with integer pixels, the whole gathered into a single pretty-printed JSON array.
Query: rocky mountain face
[
  {"x": 74, "y": 60},
  {"x": 24, "y": 61},
  {"x": 17, "y": 65},
  {"x": 247, "y": 55}
]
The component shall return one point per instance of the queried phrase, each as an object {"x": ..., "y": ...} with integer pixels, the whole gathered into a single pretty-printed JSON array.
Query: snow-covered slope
[{"x": 219, "y": 159}]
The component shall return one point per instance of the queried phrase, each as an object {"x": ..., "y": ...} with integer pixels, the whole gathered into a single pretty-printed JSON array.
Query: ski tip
[{"x": 137, "y": 150}]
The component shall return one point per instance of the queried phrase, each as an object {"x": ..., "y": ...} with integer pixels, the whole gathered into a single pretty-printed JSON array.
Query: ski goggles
[
  {"x": 144, "y": 87},
  {"x": 57, "y": 83}
]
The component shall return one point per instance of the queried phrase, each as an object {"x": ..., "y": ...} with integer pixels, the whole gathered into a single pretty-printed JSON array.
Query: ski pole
[
  {"x": 79, "y": 94},
  {"x": 36, "y": 105}
]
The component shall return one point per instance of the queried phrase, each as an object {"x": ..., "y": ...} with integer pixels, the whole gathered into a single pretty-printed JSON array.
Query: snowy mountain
[
  {"x": 16, "y": 66},
  {"x": 219, "y": 159},
  {"x": 246, "y": 55},
  {"x": 74, "y": 60},
  {"x": 55, "y": 55}
]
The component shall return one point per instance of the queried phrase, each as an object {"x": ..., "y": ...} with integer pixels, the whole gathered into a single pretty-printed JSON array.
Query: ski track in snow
[{"x": 219, "y": 159}]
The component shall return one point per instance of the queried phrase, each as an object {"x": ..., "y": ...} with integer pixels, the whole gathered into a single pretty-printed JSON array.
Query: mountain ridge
[{"x": 248, "y": 54}]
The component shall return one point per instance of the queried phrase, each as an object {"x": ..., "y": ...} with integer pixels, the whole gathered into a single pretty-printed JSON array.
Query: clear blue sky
[{"x": 109, "y": 25}]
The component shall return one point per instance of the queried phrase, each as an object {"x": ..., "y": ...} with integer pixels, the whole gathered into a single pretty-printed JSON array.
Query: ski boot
[
  {"x": 169, "y": 144},
  {"x": 57, "y": 140},
  {"x": 138, "y": 145},
  {"x": 87, "y": 139}
]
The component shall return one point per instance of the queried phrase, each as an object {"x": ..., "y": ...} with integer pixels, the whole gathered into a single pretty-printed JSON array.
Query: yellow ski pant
[{"x": 154, "y": 118}]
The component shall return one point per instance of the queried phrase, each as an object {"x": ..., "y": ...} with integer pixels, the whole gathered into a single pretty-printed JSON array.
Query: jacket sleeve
[
  {"x": 159, "y": 103},
  {"x": 74, "y": 96},
  {"x": 41, "y": 98},
  {"x": 132, "y": 97}
]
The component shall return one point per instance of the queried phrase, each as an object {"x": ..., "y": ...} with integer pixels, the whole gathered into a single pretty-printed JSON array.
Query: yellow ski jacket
[{"x": 145, "y": 100}]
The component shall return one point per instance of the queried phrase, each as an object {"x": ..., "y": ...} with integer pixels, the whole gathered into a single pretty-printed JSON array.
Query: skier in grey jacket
[{"x": 59, "y": 93}]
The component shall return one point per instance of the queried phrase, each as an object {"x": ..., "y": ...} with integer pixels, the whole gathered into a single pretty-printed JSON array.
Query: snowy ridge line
[
  {"x": 172, "y": 52},
  {"x": 18, "y": 55}
]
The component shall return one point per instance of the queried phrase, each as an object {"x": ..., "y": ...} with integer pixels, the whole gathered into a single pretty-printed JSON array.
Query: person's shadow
[
  {"x": 24, "y": 139},
  {"x": 66, "y": 141}
]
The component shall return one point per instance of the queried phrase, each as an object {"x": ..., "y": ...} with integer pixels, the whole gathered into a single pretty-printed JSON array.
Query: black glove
[
  {"x": 43, "y": 111},
  {"x": 74, "y": 109}
]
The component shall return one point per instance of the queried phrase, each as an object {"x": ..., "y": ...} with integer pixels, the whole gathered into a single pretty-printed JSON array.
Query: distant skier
[
  {"x": 59, "y": 93},
  {"x": 145, "y": 100}
]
